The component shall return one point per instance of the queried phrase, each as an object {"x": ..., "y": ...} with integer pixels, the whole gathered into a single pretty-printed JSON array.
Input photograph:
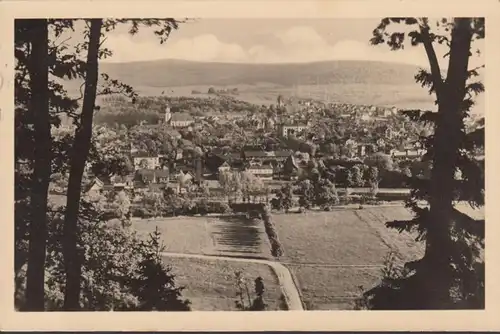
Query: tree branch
[{"x": 433, "y": 61}]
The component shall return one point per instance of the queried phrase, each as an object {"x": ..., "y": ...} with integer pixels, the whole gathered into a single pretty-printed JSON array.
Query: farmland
[
  {"x": 332, "y": 254},
  {"x": 210, "y": 285},
  {"x": 223, "y": 236}
]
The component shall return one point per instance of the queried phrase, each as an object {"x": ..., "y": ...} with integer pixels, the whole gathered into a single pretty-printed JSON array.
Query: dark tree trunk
[
  {"x": 81, "y": 147},
  {"x": 39, "y": 77},
  {"x": 446, "y": 147}
]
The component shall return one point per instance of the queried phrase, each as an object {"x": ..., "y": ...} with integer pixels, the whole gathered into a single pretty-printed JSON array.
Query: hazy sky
[{"x": 263, "y": 41}]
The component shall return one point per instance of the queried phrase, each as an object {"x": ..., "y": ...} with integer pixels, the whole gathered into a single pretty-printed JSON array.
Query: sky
[{"x": 264, "y": 41}]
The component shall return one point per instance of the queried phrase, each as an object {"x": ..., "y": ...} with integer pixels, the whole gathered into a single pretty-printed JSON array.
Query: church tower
[{"x": 168, "y": 115}]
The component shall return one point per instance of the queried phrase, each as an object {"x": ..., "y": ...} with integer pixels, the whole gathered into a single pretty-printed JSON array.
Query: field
[
  {"x": 224, "y": 235},
  {"x": 211, "y": 285},
  {"x": 332, "y": 254}
]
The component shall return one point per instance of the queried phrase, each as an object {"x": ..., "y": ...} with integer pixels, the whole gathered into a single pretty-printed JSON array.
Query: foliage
[
  {"x": 355, "y": 177},
  {"x": 372, "y": 179},
  {"x": 325, "y": 194},
  {"x": 380, "y": 160},
  {"x": 154, "y": 284},
  {"x": 306, "y": 194},
  {"x": 451, "y": 274},
  {"x": 249, "y": 304},
  {"x": 114, "y": 261},
  {"x": 284, "y": 198},
  {"x": 276, "y": 247}
]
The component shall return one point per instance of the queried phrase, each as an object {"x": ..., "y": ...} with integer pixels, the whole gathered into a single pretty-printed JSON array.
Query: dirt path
[{"x": 288, "y": 288}]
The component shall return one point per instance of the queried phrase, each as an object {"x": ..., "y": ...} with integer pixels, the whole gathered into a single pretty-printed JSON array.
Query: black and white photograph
[{"x": 261, "y": 164}]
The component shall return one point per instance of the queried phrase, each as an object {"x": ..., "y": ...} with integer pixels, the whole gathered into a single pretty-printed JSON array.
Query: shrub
[
  {"x": 245, "y": 301},
  {"x": 117, "y": 268},
  {"x": 276, "y": 247}
]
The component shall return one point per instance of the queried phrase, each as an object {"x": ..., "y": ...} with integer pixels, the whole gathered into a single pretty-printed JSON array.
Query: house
[
  {"x": 181, "y": 172},
  {"x": 122, "y": 182},
  {"x": 153, "y": 176},
  {"x": 264, "y": 172},
  {"x": 95, "y": 186},
  {"x": 282, "y": 155},
  {"x": 407, "y": 153},
  {"x": 174, "y": 134},
  {"x": 225, "y": 167},
  {"x": 181, "y": 120},
  {"x": 254, "y": 156},
  {"x": 288, "y": 129},
  {"x": 146, "y": 162}
]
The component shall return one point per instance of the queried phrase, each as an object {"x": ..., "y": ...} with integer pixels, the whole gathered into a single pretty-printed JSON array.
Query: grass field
[
  {"x": 332, "y": 288},
  {"x": 211, "y": 285},
  {"x": 332, "y": 254},
  {"x": 337, "y": 237},
  {"x": 227, "y": 236}
]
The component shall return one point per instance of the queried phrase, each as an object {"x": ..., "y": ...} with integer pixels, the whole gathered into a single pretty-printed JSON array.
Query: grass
[
  {"x": 179, "y": 235},
  {"x": 337, "y": 237},
  {"x": 332, "y": 254},
  {"x": 328, "y": 288},
  {"x": 210, "y": 285},
  {"x": 225, "y": 236}
]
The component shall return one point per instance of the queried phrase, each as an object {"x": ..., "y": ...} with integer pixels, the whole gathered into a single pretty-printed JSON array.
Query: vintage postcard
[{"x": 278, "y": 165}]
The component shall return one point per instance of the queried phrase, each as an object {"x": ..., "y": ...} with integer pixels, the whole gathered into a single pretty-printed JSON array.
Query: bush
[
  {"x": 276, "y": 247},
  {"x": 141, "y": 212},
  {"x": 120, "y": 272}
]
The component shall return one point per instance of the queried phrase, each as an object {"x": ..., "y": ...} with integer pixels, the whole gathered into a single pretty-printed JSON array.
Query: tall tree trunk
[
  {"x": 39, "y": 105},
  {"x": 81, "y": 147},
  {"x": 446, "y": 147}
]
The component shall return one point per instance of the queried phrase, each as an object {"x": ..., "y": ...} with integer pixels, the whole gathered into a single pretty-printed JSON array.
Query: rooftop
[
  {"x": 153, "y": 172},
  {"x": 181, "y": 117}
]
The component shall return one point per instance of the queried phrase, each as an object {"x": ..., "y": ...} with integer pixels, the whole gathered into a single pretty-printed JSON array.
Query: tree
[
  {"x": 372, "y": 179},
  {"x": 448, "y": 275},
  {"x": 35, "y": 34},
  {"x": 326, "y": 194},
  {"x": 121, "y": 205},
  {"x": 380, "y": 160},
  {"x": 77, "y": 165},
  {"x": 355, "y": 177},
  {"x": 257, "y": 304},
  {"x": 306, "y": 194},
  {"x": 155, "y": 285},
  {"x": 83, "y": 137},
  {"x": 285, "y": 198}
]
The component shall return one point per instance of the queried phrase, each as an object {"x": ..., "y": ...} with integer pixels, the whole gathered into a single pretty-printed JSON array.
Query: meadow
[
  {"x": 210, "y": 285},
  {"x": 222, "y": 235},
  {"x": 333, "y": 254}
]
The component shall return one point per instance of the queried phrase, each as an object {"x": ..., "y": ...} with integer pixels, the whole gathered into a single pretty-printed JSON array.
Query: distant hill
[
  {"x": 355, "y": 82},
  {"x": 168, "y": 73}
]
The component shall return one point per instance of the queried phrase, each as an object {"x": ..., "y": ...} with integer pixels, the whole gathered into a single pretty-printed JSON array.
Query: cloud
[{"x": 296, "y": 44}]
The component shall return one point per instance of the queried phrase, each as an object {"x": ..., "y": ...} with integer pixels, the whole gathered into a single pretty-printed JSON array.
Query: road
[{"x": 285, "y": 280}]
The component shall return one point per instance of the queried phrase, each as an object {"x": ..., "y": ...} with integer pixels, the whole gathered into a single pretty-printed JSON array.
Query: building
[
  {"x": 181, "y": 120},
  {"x": 154, "y": 176},
  {"x": 407, "y": 153},
  {"x": 287, "y": 129},
  {"x": 225, "y": 167},
  {"x": 174, "y": 134},
  {"x": 264, "y": 172},
  {"x": 95, "y": 186},
  {"x": 122, "y": 182},
  {"x": 146, "y": 162}
]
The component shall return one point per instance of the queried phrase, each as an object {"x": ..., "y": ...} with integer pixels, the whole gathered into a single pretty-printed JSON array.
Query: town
[
  {"x": 241, "y": 183},
  {"x": 276, "y": 144}
]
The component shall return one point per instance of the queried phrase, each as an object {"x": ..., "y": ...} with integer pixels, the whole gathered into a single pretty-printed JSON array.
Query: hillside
[
  {"x": 168, "y": 73},
  {"x": 354, "y": 82}
]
